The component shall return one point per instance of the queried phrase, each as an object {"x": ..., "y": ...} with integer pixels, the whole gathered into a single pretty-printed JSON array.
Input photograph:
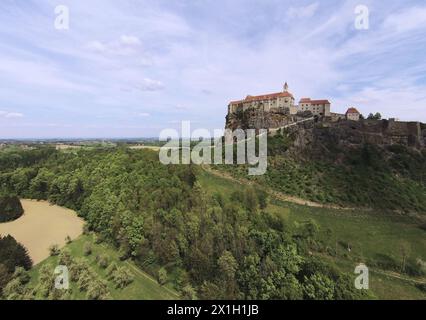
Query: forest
[{"x": 213, "y": 247}]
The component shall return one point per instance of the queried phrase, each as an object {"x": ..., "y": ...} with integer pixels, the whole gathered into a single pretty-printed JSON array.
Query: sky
[{"x": 132, "y": 68}]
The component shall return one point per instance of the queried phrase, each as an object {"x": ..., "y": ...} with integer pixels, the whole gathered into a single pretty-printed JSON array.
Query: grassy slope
[
  {"x": 368, "y": 233},
  {"x": 144, "y": 287}
]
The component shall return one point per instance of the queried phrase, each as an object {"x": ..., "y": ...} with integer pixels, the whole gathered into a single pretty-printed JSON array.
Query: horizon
[{"x": 132, "y": 69}]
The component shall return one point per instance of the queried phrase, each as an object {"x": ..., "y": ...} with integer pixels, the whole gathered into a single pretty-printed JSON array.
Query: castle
[
  {"x": 284, "y": 102},
  {"x": 311, "y": 119}
]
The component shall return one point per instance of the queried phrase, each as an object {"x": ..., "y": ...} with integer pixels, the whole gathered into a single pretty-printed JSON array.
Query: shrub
[
  {"x": 122, "y": 277},
  {"x": 87, "y": 249},
  {"x": 162, "y": 276},
  {"x": 103, "y": 261},
  {"x": 65, "y": 258},
  {"x": 415, "y": 268},
  {"x": 68, "y": 240},
  {"x": 98, "y": 290},
  {"x": 54, "y": 250},
  {"x": 97, "y": 239},
  {"x": 84, "y": 280},
  {"x": 189, "y": 293},
  {"x": 111, "y": 269},
  {"x": 421, "y": 287},
  {"x": 86, "y": 229}
]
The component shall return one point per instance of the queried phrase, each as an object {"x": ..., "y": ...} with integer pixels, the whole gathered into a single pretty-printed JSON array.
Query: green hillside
[
  {"x": 386, "y": 178},
  {"x": 142, "y": 286},
  {"x": 375, "y": 239}
]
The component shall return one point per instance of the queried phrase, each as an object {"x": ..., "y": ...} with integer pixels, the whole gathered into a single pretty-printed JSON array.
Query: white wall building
[
  {"x": 353, "y": 114},
  {"x": 317, "y": 107}
]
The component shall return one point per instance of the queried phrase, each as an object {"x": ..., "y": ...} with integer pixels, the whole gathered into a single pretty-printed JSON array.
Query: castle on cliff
[
  {"x": 277, "y": 111},
  {"x": 284, "y": 102}
]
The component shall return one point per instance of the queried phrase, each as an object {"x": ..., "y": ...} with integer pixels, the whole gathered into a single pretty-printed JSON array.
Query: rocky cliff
[{"x": 324, "y": 131}]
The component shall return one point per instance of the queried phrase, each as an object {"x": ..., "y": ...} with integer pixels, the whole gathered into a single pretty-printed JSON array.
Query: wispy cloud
[
  {"x": 177, "y": 60},
  {"x": 151, "y": 85},
  {"x": 10, "y": 115},
  {"x": 302, "y": 12}
]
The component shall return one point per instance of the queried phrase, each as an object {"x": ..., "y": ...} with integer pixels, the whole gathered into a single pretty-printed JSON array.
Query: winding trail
[{"x": 277, "y": 194}]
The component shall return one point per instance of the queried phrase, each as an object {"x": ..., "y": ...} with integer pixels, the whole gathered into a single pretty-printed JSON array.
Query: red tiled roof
[
  {"x": 308, "y": 100},
  {"x": 320, "y": 102},
  {"x": 264, "y": 97},
  {"x": 352, "y": 110}
]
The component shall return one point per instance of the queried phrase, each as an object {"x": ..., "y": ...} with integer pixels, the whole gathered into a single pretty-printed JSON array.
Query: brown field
[
  {"x": 154, "y": 148},
  {"x": 41, "y": 226}
]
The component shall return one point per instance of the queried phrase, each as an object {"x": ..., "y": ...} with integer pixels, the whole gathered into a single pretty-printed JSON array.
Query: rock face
[
  {"x": 257, "y": 118},
  {"x": 382, "y": 132},
  {"x": 323, "y": 130}
]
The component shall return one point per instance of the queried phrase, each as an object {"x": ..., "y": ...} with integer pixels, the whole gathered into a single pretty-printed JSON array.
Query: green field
[
  {"x": 144, "y": 287},
  {"x": 370, "y": 235}
]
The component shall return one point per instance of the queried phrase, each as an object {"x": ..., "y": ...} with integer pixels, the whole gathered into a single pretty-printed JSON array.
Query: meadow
[
  {"x": 351, "y": 237},
  {"x": 143, "y": 286}
]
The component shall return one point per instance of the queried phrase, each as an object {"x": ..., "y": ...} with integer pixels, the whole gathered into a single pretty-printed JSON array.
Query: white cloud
[
  {"x": 144, "y": 114},
  {"x": 96, "y": 46},
  {"x": 125, "y": 45},
  {"x": 407, "y": 20},
  {"x": 303, "y": 11},
  {"x": 10, "y": 115},
  {"x": 151, "y": 85},
  {"x": 130, "y": 40}
]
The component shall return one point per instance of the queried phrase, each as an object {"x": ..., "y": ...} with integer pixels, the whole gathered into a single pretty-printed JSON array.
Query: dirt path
[
  {"x": 278, "y": 195},
  {"x": 145, "y": 275},
  {"x": 42, "y": 226},
  {"x": 397, "y": 276}
]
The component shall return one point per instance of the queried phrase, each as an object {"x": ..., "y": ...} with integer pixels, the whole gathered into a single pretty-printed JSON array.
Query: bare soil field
[
  {"x": 154, "y": 148},
  {"x": 41, "y": 226}
]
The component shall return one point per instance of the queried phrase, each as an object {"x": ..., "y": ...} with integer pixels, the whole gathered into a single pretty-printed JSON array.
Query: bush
[
  {"x": 54, "y": 250},
  {"x": 68, "y": 240},
  {"x": 97, "y": 239},
  {"x": 98, "y": 290},
  {"x": 87, "y": 249},
  {"x": 162, "y": 276},
  {"x": 189, "y": 293},
  {"x": 122, "y": 277},
  {"x": 415, "y": 268},
  {"x": 103, "y": 261},
  {"x": 86, "y": 229},
  {"x": 421, "y": 287},
  {"x": 111, "y": 269},
  {"x": 10, "y": 208},
  {"x": 65, "y": 258}
]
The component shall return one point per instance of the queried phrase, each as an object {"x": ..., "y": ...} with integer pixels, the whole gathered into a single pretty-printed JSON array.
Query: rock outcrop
[{"x": 323, "y": 130}]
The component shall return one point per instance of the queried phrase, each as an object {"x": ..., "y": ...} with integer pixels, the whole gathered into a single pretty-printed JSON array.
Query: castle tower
[{"x": 286, "y": 87}]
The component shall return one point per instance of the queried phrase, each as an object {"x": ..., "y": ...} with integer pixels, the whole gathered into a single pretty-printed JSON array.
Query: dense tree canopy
[
  {"x": 12, "y": 255},
  {"x": 215, "y": 246},
  {"x": 10, "y": 208}
]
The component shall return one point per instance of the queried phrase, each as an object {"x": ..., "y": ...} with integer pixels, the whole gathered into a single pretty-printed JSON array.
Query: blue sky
[{"x": 132, "y": 68}]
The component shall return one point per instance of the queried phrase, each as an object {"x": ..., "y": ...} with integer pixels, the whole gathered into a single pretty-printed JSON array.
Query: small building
[
  {"x": 353, "y": 114},
  {"x": 317, "y": 107}
]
